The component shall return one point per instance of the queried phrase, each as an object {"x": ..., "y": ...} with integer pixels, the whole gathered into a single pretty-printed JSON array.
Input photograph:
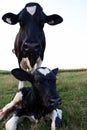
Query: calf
[
  {"x": 30, "y": 41},
  {"x": 38, "y": 101}
]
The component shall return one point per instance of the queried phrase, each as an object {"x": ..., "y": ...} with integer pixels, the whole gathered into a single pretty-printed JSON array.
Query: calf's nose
[{"x": 55, "y": 102}]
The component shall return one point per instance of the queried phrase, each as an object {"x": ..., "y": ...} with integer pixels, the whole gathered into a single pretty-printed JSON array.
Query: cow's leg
[
  {"x": 21, "y": 84},
  {"x": 56, "y": 117},
  {"x": 25, "y": 65},
  {"x": 9, "y": 106},
  {"x": 39, "y": 62}
]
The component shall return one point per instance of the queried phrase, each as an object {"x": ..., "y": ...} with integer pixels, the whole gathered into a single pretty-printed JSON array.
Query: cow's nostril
[
  {"x": 31, "y": 48},
  {"x": 25, "y": 47},
  {"x": 54, "y": 102}
]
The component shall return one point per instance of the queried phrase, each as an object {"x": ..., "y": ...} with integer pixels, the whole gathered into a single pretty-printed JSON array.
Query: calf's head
[
  {"x": 31, "y": 19},
  {"x": 44, "y": 84}
]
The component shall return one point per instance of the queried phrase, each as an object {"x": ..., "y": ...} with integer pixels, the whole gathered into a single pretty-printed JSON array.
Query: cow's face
[
  {"x": 31, "y": 20},
  {"x": 44, "y": 84}
]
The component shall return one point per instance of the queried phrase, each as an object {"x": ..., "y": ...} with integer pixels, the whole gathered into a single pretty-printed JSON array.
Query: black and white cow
[
  {"x": 38, "y": 101},
  {"x": 30, "y": 41}
]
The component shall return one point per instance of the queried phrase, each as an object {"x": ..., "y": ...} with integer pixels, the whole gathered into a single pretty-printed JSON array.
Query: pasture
[{"x": 72, "y": 87}]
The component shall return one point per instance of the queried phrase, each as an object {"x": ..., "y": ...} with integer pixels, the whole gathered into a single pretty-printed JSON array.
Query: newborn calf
[{"x": 38, "y": 101}]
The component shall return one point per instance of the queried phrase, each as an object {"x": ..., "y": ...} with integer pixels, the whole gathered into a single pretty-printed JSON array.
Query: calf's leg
[
  {"x": 15, "y": 119},
  {"x": 9, "y": 106},
  {"x": 56, "y": 117},
  {"x": 12, "y": 123}
]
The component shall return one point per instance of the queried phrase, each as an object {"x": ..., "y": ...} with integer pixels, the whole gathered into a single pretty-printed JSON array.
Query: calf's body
[{"x": 38, "y": 101}]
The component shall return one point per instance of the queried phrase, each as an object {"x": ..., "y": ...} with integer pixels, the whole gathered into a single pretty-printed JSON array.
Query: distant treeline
[
  {"x": 72, "y": 70},
  {"x": 60, "y": 70},
  {"x": 4, "y": 72}
]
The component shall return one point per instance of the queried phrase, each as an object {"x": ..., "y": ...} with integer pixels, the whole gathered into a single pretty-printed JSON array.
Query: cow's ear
[
  {"x": 10, "y": 18},
  {"x": 55, "y": 71},
  {"x": 22, "y": 75},
  {"x": 54, "y": 19}
]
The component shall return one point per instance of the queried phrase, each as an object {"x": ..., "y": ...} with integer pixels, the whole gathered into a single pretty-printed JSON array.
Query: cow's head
[
  {"x": 44, "y": 84},
  {"x": 31, "y": 20}
]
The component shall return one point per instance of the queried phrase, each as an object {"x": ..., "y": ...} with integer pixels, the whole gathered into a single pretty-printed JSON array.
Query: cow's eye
[
  {"x": 51, "y": 81},
  {"x": 22, "y": 23},
  {"x": 41, "y": 23},
  {"x": 38, "y": 82}
]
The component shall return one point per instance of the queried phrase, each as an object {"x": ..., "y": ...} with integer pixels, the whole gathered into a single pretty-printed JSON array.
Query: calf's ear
[
  {"x": 54, "y": 19},
  {"x": 55, "y": 71},
  {"x": 10, "y": 18},
  {"x": 22, "y": 75}
]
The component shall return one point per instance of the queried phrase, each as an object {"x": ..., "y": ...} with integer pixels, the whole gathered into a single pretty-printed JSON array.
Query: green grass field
[{"x": 72, "y": 87}]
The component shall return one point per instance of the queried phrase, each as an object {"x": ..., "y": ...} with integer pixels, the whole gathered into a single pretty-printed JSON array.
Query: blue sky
[{"x": 66, "y": 43}]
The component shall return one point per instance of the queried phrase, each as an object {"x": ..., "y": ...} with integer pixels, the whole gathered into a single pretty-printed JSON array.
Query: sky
[{"x": 66, "y": 43}]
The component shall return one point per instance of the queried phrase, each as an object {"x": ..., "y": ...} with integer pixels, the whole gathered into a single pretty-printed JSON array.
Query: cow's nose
[{"x": 30, "y": 47}]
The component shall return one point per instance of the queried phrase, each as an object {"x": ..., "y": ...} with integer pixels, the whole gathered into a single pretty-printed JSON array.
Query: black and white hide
[
  {"x": 39, "y": 100},
  {"x": 30, "y": 41}
]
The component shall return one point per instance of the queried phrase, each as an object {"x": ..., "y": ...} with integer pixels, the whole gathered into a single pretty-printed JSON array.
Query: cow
[
  {"x": 30, "y": 41},
  {"x": 39, "y": 100}
]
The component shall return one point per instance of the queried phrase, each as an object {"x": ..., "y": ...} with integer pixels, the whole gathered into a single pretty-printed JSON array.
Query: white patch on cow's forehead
[
  {"x": 31, "y": 10},
  {"x": 44, "y": 71},
  {"x": 8, "y": 20}
]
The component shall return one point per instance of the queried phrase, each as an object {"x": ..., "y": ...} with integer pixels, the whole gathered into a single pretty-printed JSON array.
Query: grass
[{"x": 72, "y": 87}]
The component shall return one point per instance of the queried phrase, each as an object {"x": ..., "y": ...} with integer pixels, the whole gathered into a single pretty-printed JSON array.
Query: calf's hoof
[{"x": 58, "y": 122}]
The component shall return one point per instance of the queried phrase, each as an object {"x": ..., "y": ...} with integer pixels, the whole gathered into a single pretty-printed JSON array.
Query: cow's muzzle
[
  {"x": 54, "y": 102},
  {"x": 30, "y": 47}
]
